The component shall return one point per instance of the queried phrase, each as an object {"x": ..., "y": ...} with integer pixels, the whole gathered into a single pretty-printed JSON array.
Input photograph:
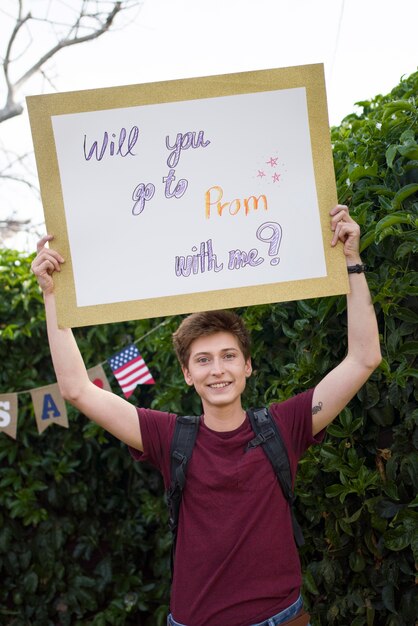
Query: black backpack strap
[
  {"x": 182, "y": 445},
  {"x": 268, "y": 435}
]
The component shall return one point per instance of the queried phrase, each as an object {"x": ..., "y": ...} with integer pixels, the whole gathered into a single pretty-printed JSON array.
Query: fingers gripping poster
[{"x": 188, "y": 195}]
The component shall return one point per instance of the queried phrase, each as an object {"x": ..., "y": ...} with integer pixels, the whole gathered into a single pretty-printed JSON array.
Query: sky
[{"x": 366, "y": 46}]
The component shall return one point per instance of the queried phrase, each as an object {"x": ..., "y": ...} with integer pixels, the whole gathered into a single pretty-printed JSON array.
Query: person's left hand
[{"x": 346, "y": 230}]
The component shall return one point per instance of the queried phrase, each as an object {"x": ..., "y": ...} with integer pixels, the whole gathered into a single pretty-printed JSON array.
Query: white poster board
[{"x": 171, "y": 205}]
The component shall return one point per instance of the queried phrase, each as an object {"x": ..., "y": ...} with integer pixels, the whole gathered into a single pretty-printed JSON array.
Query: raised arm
[
  {"x": 334, "y": 391},
  {"x": 113, "y": 413}
]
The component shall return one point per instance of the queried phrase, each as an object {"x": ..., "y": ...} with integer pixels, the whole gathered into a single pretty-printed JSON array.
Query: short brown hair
[{"x": 207, "y": 323}]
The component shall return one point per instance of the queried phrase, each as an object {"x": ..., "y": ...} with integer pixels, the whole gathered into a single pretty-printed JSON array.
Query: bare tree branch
[
  {"x": 19, "y": 179},
  {"x": 12, "y": 108},
  {"x": 21, "y": 162},
  {"x": 68, "y": 42},
  {"x": 101, "y": 23},
  {"x": 56, "y": 24}
]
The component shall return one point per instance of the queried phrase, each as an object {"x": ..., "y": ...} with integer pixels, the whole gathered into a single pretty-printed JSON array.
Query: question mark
[{"x": 274, "y": 239}]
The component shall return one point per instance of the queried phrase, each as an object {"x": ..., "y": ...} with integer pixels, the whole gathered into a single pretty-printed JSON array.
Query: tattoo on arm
[{"x": 317, "y": 408}]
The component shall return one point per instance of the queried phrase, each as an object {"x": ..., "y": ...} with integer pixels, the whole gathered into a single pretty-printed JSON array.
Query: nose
[{"x": 218, "y": 367}]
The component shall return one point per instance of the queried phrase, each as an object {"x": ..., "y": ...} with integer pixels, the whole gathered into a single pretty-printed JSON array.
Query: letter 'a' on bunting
[
  {"x": 49, "y": 407},
  {"x": 130, "y": 370}
]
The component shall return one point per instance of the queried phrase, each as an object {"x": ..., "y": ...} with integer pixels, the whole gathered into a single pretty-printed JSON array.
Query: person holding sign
[{"x": 236, "y": 563}]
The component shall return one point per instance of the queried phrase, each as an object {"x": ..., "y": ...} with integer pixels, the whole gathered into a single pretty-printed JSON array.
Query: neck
[{"x": 223, "y": 419}]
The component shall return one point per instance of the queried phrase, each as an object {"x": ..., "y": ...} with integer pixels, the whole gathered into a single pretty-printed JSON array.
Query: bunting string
[{"x": 127, "y": 366}]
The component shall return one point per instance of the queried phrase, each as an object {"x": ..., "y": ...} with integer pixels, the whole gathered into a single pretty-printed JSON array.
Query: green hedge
[{"x": 83, "y": 535}]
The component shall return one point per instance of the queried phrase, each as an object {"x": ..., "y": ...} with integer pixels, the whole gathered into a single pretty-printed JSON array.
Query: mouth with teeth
[{"x": 219, "y": 385}]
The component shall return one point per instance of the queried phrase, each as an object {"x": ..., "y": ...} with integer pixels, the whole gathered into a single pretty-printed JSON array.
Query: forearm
[
  {"x": 334, "y": 391},
  {"x": 68, "y": 364},
  {"x": 363, "y": 333}
]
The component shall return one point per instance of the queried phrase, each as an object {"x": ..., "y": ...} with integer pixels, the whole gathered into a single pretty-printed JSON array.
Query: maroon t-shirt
[{"x": 236, "y": 559}]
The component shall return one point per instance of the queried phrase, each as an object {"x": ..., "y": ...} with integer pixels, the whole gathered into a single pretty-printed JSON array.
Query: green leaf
[
  {"x": 409, "y": 347},
  {"x": 402, "y": 194},
  {"x": 354, "y": 517},
  {"x": 388, "y": 597},
  {"x": 361, "y": 171},
  {"x": 309, "y": 583},
  {"x": 410, "y": 152},
  {"x": 336, "y": 431},
  {"x": 30, "y": 583},
  {"x": 396, "y": 540},
  {"x": 357, "y": 562},
  {"x": 392, "y": 220},
  {"x": 385, "y": 203},
  {"x": 407, "y": 247},
  {"x": 340, "y": 491},
  {"x": 406, "y": 315},
  {"x": 396, "y": 107},
  {"x": 390, "y": 154},
  {"x": 408, "y": 136},
  {"x": 390, "y": 488},
  {"x": 367, "y": 239}
]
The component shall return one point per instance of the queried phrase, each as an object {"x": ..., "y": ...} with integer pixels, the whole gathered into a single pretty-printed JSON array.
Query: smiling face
[{"x": 218, "y": 370}]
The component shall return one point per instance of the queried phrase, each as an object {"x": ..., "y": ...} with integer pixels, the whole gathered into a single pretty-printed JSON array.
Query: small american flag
[{"x": 130, "y": 370}]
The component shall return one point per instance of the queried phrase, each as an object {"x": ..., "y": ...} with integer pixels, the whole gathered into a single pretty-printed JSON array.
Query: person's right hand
[{"x": 46, "y": 262}]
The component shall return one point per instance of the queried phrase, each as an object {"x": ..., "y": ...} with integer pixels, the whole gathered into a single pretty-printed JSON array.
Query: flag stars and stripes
[{"x": 130, "y": 370}]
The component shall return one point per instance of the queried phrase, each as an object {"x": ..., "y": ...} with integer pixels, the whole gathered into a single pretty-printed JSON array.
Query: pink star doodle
[
  {"x": 260, "y": 174},
  {"x": 276, "y": 177},
  {"x": 272, "y": 161}
]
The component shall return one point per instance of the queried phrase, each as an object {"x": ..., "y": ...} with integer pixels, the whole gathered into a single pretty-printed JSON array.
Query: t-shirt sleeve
[
  {"x": 157, "y": 428},
  {"x": 294, "y": 419}
]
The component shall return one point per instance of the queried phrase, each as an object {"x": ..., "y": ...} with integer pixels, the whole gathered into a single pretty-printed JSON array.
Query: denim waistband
[
  {"x": 275, "y": 620},
  {"x": 283, "y": 616}
]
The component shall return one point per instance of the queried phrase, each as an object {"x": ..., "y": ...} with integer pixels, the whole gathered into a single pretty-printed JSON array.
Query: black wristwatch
[{"x": 356, "y": 269}]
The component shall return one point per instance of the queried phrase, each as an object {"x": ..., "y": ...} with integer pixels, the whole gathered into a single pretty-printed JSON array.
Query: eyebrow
[{"x": 203, "y": 353}]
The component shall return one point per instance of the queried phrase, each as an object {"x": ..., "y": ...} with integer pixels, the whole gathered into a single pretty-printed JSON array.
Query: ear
[
  {"x": 187, "y": 376},
  {"x": 248, "y": 368}
]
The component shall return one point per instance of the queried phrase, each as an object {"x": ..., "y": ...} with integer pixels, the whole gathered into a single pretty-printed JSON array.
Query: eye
[
  {"x": 230, "y": 355},
  {"x": 202, "y": 360}
]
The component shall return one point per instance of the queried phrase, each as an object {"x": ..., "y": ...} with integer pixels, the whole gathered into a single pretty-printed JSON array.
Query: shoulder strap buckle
[{"x": 261, "y": 438}]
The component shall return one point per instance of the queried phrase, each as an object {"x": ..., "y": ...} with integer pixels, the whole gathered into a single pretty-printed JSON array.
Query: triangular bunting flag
[
  {"x": 130, "y": 370},
  {"x": 8, "y": 414},
  {"x": 49, "y": 407}
]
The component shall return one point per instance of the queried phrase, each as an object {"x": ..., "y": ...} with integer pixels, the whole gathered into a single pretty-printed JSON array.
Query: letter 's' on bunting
[{"x": 130, "y": 370}]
